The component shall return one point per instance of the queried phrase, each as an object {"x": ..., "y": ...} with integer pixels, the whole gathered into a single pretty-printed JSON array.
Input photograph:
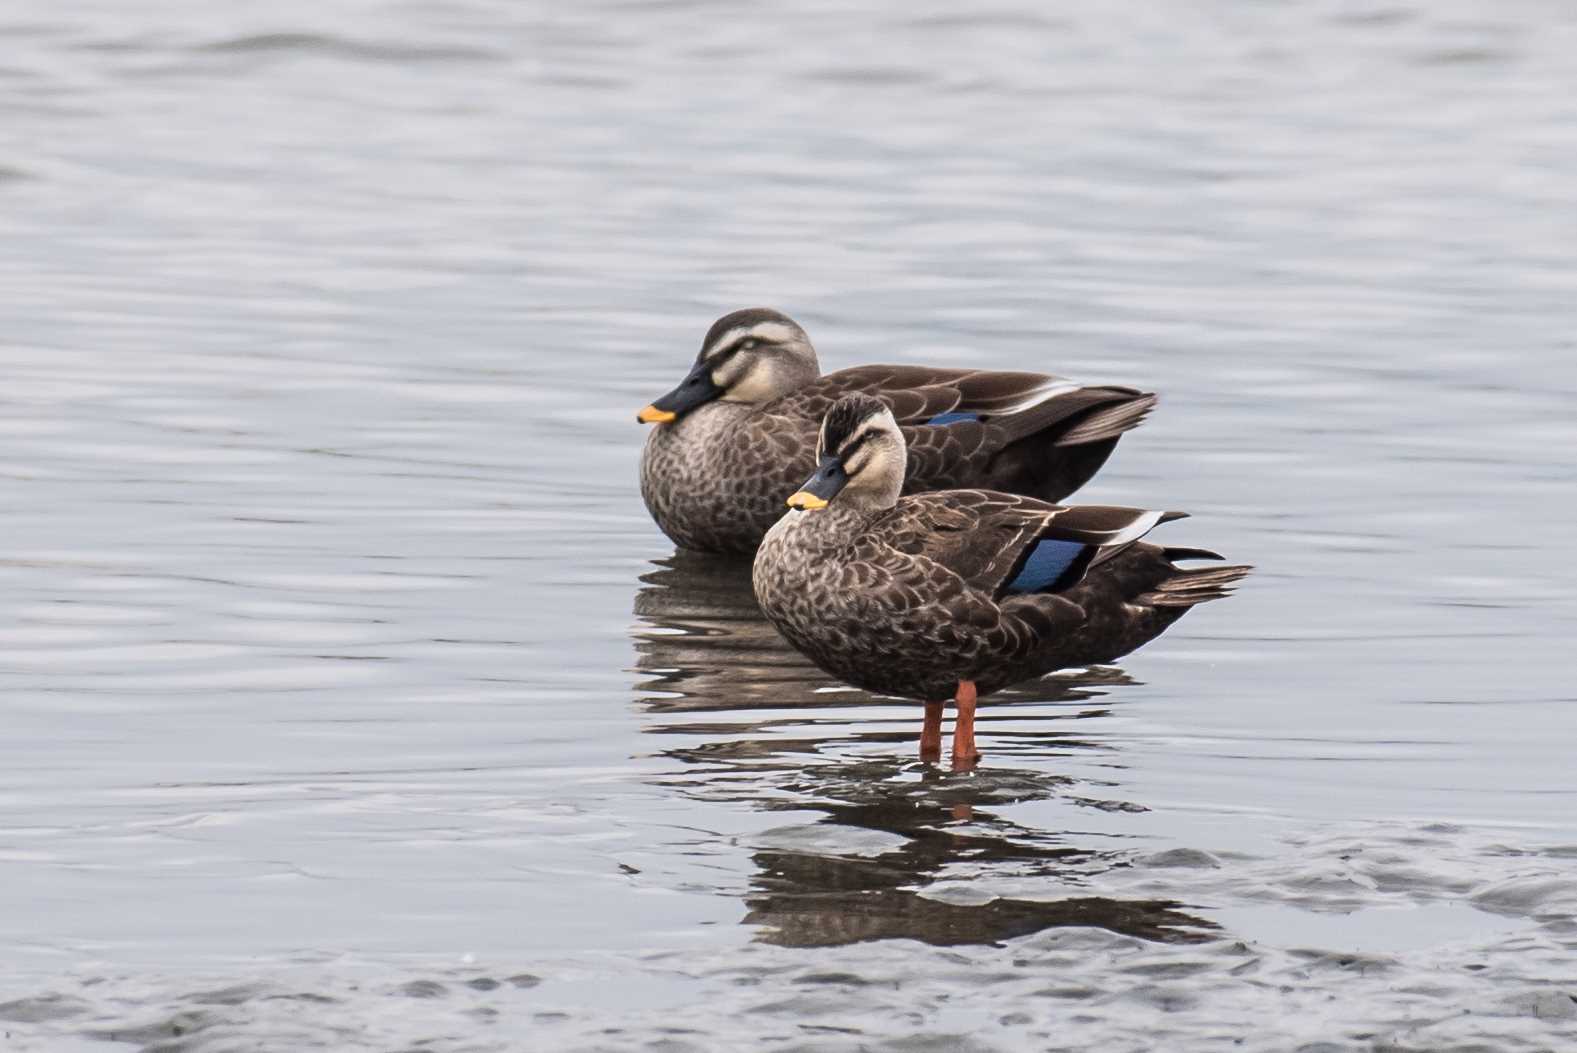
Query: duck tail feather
[
  {"x": 1173, "y": 554},
  {"x": 1109, "y": 422},
  {"x": 1188, "y": 587}
]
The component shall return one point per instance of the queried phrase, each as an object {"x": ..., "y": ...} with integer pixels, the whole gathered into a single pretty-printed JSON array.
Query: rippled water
[{"x": 351, "y": 700}]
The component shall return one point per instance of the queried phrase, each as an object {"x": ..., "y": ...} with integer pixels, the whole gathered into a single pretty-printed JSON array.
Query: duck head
[
  {"x": 860, "y": 457},
  {"x": 750, "y": 356}
]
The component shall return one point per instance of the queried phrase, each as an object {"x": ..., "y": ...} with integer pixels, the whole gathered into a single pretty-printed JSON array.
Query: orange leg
[
  {"x": 964, "y": 752},
  {"x": 931, "y": 734}
]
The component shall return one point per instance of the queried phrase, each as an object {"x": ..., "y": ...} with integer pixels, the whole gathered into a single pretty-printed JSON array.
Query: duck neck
[
  {"x": 705, "y": 422},
  {"x": 871, "y": 499},
  {"x": 836, "y": 524}
]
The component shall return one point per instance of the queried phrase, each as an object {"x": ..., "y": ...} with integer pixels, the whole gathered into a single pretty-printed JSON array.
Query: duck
[
  {"x": 950, "y": 595},
  {"x": 737, "y": 434}
]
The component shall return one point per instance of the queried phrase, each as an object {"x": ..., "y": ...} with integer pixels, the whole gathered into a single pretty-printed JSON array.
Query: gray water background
[{"x": 350, "y": 700}]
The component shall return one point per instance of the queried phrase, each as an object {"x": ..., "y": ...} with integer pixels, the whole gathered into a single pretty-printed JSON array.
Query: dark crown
[
  {"x": 847, "y": 414},
  {"x": 742, "y": 320}
]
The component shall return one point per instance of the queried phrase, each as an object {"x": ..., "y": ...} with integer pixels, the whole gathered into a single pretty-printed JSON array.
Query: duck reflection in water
[{"x": 890, "y": 828}]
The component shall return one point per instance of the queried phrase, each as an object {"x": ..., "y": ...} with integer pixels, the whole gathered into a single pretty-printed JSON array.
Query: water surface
[{"x": 352, "y": 701}]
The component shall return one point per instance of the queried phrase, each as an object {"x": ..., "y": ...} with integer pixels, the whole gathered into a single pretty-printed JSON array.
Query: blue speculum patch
[
  {"x": 1048, "y": 562},
  {"x": 952, "y": 418}
]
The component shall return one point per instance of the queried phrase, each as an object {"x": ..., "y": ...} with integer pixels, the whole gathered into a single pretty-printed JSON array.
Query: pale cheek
[
  {"x": 874, "y": 468},
  {"x": 753, "y": 386}
]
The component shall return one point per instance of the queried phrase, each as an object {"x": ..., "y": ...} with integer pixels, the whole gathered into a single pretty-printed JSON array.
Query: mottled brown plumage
[
  {"x": 733, "y": 440},
  {"x": 913, "y": 595}
]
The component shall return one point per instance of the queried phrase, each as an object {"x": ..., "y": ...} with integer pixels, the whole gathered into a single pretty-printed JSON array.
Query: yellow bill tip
[
  {"x": 653, "y": 415},
  {"x": 806, "y": 500}
]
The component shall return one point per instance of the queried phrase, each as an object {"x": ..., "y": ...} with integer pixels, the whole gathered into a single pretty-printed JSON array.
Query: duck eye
[{"x": 748, "y": 345}]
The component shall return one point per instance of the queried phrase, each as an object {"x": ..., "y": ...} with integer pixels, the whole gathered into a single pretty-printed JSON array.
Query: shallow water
[{"x": 351, "y": 700}]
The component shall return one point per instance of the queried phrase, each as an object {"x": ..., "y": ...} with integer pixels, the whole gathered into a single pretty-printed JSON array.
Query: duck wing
[
  {"x": 1004, "y": 544},
  {"x": 918, "y": 395},
  {"x": 1025, "y": 433}
]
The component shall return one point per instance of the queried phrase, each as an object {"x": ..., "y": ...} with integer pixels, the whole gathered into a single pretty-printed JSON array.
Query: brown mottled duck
[
  {"x": 739, "y": 432},
  {"x": 956, "y": 593}
]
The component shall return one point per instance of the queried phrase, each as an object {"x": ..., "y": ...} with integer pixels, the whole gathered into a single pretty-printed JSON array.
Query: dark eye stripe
[
  {"x": 848, "y": 449},
  {"x": 745, "y": 342}
]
